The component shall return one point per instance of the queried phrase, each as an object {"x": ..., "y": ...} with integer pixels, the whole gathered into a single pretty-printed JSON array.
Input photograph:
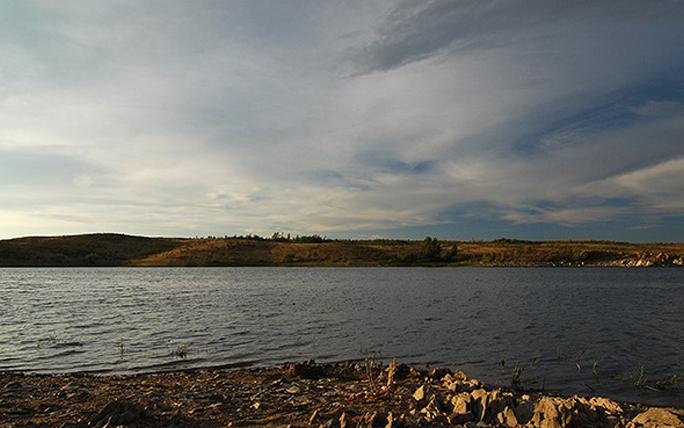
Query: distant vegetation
[
  {"x": 315, "y": 250},
  {"x": 281, "y": 237},
  {"x": 277, "y": 237},
  {"x": 105, "y": 249}
]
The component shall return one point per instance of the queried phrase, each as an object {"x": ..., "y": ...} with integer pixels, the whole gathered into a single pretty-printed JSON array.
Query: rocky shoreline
[{"x": 350, "y": 394}]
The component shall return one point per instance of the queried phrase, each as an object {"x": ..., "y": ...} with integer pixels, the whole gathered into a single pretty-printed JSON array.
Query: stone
[
  {"x": 460, "y": 419},
  {"x": 460, "y": 409},
  {"x": 16, "y": 388},
  {"x": 473, "y": 383},
  {"x": 490, "y": 404},
  {"x": 81, "y": 424},
  {"x": 330, "y": 423},
  {"x": 370, "y": 419},
  {"x": 460, "y": 403},
  {"x": 402, "y": 371},
  {"x": 609, "y": 407},
  {"x": 555, "y": 412},
  {"x": 294, "y": 389},
  {"x": 70, "y": 387},
  {"x": 452, "y": 386},
  {"x": 460, "y": 375},
  {"x": 507, "y": 417},
  {"x": 439, "y": 373},
  {"x": 657, "y": 417},
  {"x": 313, "y": 417},
  {"x": 479, "y": 397},
  {"x": 391, "y": 370},
  {"x": 547, "y": 414},
  {"x": 117, "y": 413},
  {"x": 308, "y": 370},
  {"x": 432, "y": 410},
  {"x": 420, "y": 393},
  {"x": 390, "y": 421},
  {"x": 344, "y": 420},
  {"x": 524, "y": 411}
]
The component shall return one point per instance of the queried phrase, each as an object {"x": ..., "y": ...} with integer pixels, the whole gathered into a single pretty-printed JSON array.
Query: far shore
[
  {"x": 110, "y": 250},
  {"x": 348, "y": 394}
]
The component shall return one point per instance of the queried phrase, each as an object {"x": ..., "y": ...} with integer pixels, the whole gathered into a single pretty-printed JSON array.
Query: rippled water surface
[{"x": 554, "y": 324}]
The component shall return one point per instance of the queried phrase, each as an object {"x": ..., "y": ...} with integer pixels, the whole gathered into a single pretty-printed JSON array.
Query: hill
[
  {"x": 106, "y": 249},
  {"x": 125, "y": 250}
]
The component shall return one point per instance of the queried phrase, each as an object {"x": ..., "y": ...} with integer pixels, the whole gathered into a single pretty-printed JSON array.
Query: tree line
[{"x": 277, "y": 236}]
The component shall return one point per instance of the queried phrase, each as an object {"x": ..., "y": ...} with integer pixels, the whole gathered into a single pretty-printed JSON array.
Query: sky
[{"x": 471, "y": 119}]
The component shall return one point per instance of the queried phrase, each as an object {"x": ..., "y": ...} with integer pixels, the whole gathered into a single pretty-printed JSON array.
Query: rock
[
  {"x": 402, "y": 371},
  {"x": 473, "y": 383},
  {"x": 313, "y": 417},
  {"x": 370, "y": 419},
  {"x": 294, "y": 389},
  {"x": 548, "y": 413},
  {"x": 74, "y": 391},
  {"x": 81, "y": 424},
  {"x": 343, "y": 420},
  {"x": 70, "y": 387},
  {"x": 605, "y": 405},
  {"x": 16, "y": 388},
  {"x": 432, "y": 410},
  {"x": 480, "y": 399},
  {"x": 643, "y": 262},
  {"x": 308, "y": 370},
  {"x": 460, "y": 419},
  {"x": 117, "y": 413},
  {"x": 555, "y": 412},
  {"x": 390, "y": 421},
  {"x": 460, "y": 382},
  {"x": 21, "y": 411},
  {"x": 523, "y": 411},
  {"x": 460, "y": 403},
  {"x": 390, "y": 371},
  {"x": 439, "y": 373},
  {"x": 460, "y": 409},
  {"x": 453, "y": 377},
  {"x": 420, "y": 393},
  {"x": 460, "y": 375},
  {"x": 487, "y": 405},
  {"x": 507, "y": 417},
  {"x": 452, "y": 386},
  {"x": 656, "y": 417}
]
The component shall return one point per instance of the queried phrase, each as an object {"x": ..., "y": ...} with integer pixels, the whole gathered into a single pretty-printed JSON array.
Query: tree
[
  {"x": 450, "y": 253},
  {"x": 432, "y": 249}
]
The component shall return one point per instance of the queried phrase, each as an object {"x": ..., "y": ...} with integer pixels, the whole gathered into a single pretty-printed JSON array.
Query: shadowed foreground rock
[{"x": 330, "y": 395}]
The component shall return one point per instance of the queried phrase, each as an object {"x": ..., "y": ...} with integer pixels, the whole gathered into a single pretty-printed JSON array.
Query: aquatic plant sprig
[{"x": 181, "y": 351}]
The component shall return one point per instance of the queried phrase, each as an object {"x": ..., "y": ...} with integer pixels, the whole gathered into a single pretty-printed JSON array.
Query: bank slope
[
  {"x": 124, "y": 250},
  {"x": 101, "y": 249}
]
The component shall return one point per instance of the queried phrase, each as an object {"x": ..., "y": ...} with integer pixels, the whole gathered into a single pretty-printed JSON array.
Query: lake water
[{"x": 555, "y": 324}]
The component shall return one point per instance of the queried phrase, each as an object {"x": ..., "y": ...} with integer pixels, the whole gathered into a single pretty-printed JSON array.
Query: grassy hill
[
  {"x": 125, "y": 250},
  {"x": 104, "y": 249}
]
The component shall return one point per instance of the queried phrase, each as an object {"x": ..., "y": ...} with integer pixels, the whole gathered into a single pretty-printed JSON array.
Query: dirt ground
[{"x": 347, "y": 394}]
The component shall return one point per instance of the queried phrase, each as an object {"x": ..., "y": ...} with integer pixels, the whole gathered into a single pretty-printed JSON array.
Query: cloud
[
  {"x": 416, "y": 29},
  {"x": 564, "y": 216},
  {"x": 215, "y": 117}
]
